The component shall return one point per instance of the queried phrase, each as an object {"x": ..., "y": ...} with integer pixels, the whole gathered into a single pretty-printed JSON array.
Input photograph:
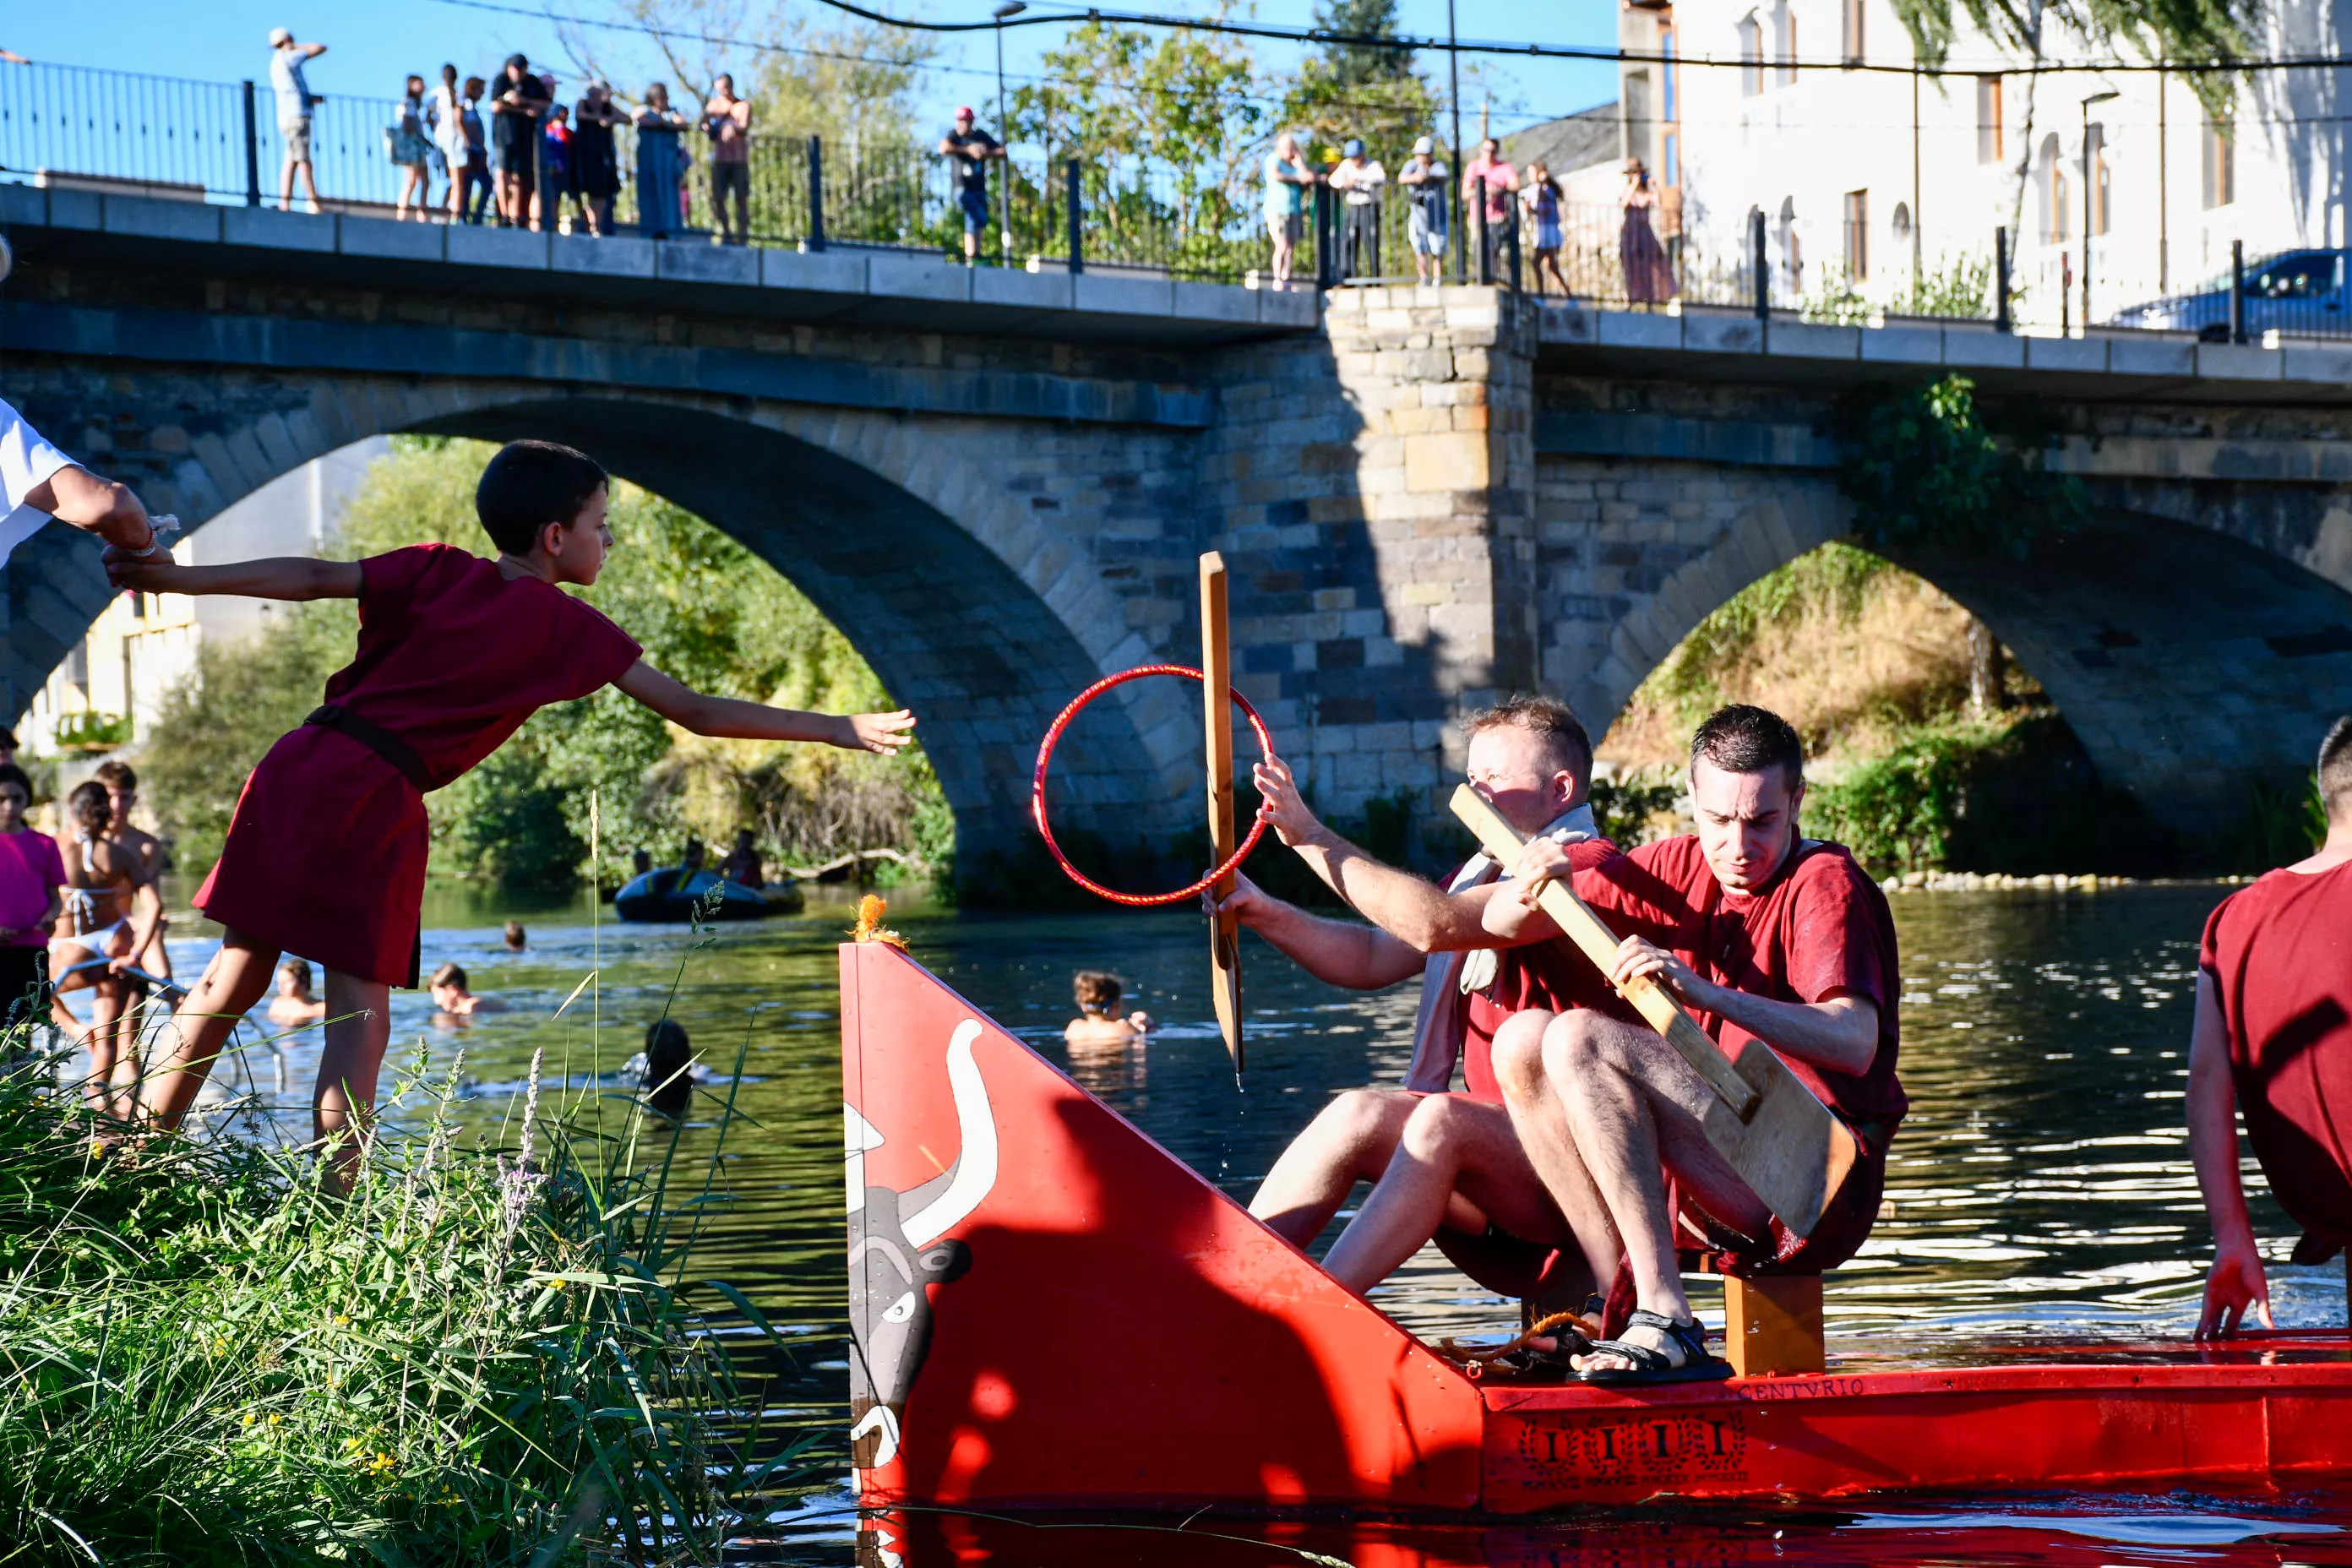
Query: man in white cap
[
  {"x": 1358, "y": 178},
  {"x": 39, "y": 482},
  {"x": 1423, "y": 178},
  {"x": 295, "y": 104}
]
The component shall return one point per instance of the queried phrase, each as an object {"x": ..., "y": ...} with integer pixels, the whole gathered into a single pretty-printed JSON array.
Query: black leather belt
[{"x": 375, "y": 738}]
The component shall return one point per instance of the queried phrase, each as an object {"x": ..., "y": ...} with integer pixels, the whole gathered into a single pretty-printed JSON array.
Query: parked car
[{"x": 2301, "y": 293}]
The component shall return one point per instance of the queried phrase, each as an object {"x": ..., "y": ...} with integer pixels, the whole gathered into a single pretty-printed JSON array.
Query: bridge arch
[
  {"x": 969, "y": 611},
  {"x": 2189, "y": 661}
]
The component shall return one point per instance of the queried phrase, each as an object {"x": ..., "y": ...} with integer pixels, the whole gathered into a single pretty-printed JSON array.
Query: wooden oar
[
  {"x": 1764, "y": 1122},
  {"x": 1217, "y": 711}
]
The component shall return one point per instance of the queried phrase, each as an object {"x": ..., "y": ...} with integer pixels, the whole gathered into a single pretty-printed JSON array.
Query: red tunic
[
  {"x": 1820, "y": 928},
  {"x": 2279, "y": 955},
  {"x": 1553, "y": 975},
  {"x": 325, "y": 857}
]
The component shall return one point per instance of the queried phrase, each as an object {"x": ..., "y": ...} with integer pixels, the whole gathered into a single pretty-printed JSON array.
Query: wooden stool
[{"x": 1772, "y": 1323}]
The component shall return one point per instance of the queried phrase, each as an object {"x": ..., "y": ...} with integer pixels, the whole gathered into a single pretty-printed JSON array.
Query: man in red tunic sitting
[
  {"x": 1766, "y": 935},
  {"x": 1446, "y": 1165},
  {"x": 325, "y": 855},
  {"x": 2273, "y": 1040}
]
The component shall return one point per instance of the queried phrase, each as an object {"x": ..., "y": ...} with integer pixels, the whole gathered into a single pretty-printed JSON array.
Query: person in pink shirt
[
  {"x": 31, "y": 872},
  {"x": 1490, "y": 173}
]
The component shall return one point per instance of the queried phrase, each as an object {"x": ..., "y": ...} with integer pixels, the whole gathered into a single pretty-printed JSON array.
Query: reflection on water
[{"x": 2041, "y": 1182}]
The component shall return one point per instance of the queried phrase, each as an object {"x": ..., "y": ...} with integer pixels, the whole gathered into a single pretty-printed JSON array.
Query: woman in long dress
[
  {"x": 659, "y": 127},
  {"x": 1649, "y": 281}
]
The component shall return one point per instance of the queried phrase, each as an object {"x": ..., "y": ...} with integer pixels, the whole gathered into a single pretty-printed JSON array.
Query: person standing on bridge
[
  {"x": 326, "y": 854},
  {"x": 1427, "y": 220},
  {"x": 296, "y": 104},
  {"x": 727, "y": 119},
  {"x": 1288, "y": 177},
  {"x": 595, "y": 164},
  {"x": 658, "y": 163},
  {"x": 38, "y": 482},
  {"x": 516, "y": 112},
  {"x": 971, "y": 149},
  {"x": 2272, "y": 1040}
]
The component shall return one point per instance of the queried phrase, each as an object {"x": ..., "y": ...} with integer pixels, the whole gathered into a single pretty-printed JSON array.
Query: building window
[
  {"x": 2094, "y": 153},
  {"x": 1852, "y": 51},
  {"x": 1667, "y": 49},
  {"x": 2221, "y": 161},
  {"x": 2054, "y": 204},
  {"x": 1857, "y": 235},
  {"x": 1670, "y": 162},
  {"x": 1987, "y": 120},
  {"x": 1751, "y": 56},
  {"x": 1784, "y": 43}
]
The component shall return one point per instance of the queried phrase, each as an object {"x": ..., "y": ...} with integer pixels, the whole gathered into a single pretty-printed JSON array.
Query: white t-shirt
[{"x": 25, "y": 459}]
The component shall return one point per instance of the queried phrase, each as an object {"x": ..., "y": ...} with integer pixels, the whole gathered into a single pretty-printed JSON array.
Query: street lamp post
[
  {"x": 2089, "y": 174},
  {"x": 1453, "y": 175},
  {"x": 1004, "y": 130}
]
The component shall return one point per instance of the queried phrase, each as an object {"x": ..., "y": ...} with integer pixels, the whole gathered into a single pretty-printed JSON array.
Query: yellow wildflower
[{"x": 383, "y": 1464}]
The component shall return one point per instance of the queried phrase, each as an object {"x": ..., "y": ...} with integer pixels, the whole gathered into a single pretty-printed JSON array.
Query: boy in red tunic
[
  {"x": 1765, "y": 936},
  {"x": 2274, "y": 1039},
  {"x": 325, "y": 856}
]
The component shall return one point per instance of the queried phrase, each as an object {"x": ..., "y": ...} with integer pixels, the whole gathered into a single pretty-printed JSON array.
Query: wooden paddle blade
[
  {"x": 1217, "y": 715},
  {"x": 1784, "y": 1142}
]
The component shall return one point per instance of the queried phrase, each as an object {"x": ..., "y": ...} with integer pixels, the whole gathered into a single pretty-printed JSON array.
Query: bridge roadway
[{"x": 995, "y": 480}]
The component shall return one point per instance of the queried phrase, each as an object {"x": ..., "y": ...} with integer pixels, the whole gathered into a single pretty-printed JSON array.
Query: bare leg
[
  {"x": 359, "y": 1026},
  {"x": 1350, "y": 1142},
  {"x": 1458, "y": 1164},
  {"x": 309, "y": 184},
  {"x": 1538, "y": 1118},
  {"x": 1633, "y": 1107},
  {"x": 191, "y": 1040}
]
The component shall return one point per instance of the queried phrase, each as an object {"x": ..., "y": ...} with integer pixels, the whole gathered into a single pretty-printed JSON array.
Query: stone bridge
[{"x": 996, "y": 483}]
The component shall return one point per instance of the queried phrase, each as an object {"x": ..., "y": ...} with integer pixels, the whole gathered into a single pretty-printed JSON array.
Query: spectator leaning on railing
[
  {"x": 727, "y": 121},
  {"x": 659, "y": 155},
  {"x": 1287, "y": 180},
  {"x": 595, "y": 163},
  {"x": 1357, "y": 177},
  {"x": 1489, "y": 181},
  {"x": 1427, "y": 222},
  {"x": 972, "y": 148},
  {"x": 520, "y": 101},
  {"x": 296, "y": 103}
]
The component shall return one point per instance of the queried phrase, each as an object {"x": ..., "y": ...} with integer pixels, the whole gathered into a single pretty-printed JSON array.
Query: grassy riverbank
[{"x": 485, "y": 1355}]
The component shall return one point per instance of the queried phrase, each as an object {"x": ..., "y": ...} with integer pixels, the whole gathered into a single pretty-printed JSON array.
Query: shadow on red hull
[{"x": 1050, "y": 1310}]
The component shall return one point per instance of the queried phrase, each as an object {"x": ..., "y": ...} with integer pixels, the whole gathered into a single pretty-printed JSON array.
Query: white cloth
[
  {"x": 25, "y": 459},
  {"x": 1448, "y": 978}
]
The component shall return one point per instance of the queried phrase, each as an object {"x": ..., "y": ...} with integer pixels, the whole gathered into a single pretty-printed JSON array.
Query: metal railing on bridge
[{"x": 78, "y": 127}]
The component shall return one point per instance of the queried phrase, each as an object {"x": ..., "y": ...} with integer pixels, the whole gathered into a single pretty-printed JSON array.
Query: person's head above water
[
  {"x": 544, "y": 504},
  {"x": 1746, "y": 783},
  {"x": 448, "y": 984},
  {"x": 1531, "y": 758},
  {"x": 516, "y": 939},
  {"x": 1096, "y": 991},
  {"x": 294, "y": 980}
]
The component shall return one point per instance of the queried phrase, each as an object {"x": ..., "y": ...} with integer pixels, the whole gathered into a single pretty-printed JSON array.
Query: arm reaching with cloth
[{"x": 1839, "y": 1034}]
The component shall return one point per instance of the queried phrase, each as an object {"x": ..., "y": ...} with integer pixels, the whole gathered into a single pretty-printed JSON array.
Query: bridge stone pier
[{"x": 996, "y": 483}]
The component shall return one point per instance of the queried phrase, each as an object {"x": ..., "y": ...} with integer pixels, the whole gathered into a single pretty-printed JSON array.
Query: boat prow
[
  {"x": 1048, "y": 1309},
  {"x": 659, "y": 896}
]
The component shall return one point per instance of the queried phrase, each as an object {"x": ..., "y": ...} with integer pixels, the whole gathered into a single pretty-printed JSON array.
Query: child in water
[
  {"x": 294, "y": 1003},
  {"x": 670, "y": 1072},
  {"x": 452, "y": 998},
  {"x": 1098, "y": 1023}
]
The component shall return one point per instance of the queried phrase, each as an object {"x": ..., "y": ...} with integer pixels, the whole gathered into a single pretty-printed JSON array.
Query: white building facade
[{"x": 1871, "y": 181}]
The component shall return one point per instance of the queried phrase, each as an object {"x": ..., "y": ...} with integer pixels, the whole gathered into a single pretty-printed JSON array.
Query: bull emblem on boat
[{"x": 897, "y": 1250}]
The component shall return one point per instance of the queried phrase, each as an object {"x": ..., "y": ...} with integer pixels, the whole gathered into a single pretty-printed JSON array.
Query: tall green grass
[{"x": 487, "y": 1353}]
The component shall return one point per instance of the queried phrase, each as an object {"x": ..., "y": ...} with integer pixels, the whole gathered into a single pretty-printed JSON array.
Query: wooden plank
[
  {"x": 1217, "y": 713},
  {"x": 1772, "y": 1323},
  {"x": 1782, "y": 1140}
]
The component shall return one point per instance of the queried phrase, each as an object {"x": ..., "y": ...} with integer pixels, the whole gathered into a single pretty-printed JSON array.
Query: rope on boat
[
  {"x": 1045, "y": 756},
  {"x": 1475, "y": 1362}
]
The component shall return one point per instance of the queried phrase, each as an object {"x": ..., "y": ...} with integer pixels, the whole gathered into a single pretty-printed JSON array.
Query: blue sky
[{"x": 373, "y": 46}]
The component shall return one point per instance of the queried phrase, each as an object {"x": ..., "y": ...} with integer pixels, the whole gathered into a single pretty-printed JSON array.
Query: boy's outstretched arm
[
  {"x": 293, "y": 577},
  {"x": 739, "y": 720}
]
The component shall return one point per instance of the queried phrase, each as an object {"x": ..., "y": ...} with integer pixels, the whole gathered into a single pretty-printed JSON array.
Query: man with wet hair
[
  {"x": 2273, "y": 1040},
  {"x": 1765, "y": 936},
  {"x": 1445, "y": 1166}
]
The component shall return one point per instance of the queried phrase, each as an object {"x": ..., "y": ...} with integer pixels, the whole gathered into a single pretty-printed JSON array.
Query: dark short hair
[
  {"x": 1096, "y": 988},
  {"x": 298, "y": 968},
  {"x": 449, "y": 975},
  {"x": 10, "y": 774},
  {"x": 2335, "y": 767},
  {"x": 115, "y": 774},
  {"x": 89, "y": 805},
  {"x": 531, "y": 484},
  {"x": 1549, "y": 718},
  {"x": 1741, "y": 739},
  {"x": 7, "y": 738}
]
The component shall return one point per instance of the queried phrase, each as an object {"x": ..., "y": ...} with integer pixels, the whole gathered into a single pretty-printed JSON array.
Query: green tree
[
  {"x": 1922, "y": 467},
  {"x": 2195, "y": 30},
  {"x": 1348, "y": 89}
]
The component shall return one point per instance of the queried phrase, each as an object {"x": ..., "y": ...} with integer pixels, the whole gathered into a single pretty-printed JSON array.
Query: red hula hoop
[{"x": 1045, "y": 756}]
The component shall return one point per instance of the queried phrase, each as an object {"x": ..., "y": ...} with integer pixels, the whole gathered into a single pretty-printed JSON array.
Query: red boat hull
[{"x": 1049, "y": 1310}]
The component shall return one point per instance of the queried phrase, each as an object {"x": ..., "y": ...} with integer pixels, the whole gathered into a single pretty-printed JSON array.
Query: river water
[{"x": 2041, "y": 1184}]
